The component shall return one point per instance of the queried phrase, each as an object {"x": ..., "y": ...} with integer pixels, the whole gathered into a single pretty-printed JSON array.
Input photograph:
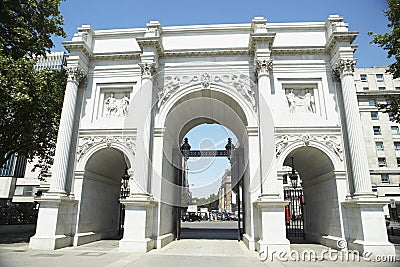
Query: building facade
[
  {"x": 381, "y": 134},
  {"x": 226, "y": 196},
  {"x": 284, "y": 89}
]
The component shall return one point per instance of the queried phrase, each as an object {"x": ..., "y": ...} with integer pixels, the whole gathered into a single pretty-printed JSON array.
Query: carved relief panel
[{"x": 112, "y": 102}]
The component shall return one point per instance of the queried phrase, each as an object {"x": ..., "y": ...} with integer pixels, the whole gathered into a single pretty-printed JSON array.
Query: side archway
[
  {"x": 98, "y": 189},
  {"x": 323, "y": 190}
]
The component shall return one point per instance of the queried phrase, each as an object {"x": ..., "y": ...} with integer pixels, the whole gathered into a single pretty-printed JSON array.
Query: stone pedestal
[
  {"x": 272, "y": 227},
  {"x": 56, "y": 218},
  {"x": 138, "y": 225},
  {"x": 365, "y": 228}
]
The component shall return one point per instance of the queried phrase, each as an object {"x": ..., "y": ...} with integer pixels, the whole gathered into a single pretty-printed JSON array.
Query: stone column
[
  {"x": 355, "y": 141},
  {"x": 65, "y": 132},
  {"x": 269, "y": 186},
  {"x": 144, "y": 131}
]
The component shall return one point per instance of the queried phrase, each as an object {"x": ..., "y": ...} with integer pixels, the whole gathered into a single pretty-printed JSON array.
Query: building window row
[
  {"x": 379, "y": 145},
  {"x": 378, "y": 77},
  {"x": 375, "y": 115},
  {"x": 382, "y": 161},
  {"x": 377, "y": 129}
]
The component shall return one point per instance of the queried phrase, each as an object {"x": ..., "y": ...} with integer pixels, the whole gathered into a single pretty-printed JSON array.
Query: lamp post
[
  {"x": 293, "y": 176},
  {"x": 185, "y": 148},
  {"x": 125, "y": 184},
  {"x": 229, "y": 148}
]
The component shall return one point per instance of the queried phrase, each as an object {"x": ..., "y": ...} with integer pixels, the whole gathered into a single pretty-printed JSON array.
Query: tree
[
  {"x": 391, "y": 43},
  {"x": 31, "y": 101}
]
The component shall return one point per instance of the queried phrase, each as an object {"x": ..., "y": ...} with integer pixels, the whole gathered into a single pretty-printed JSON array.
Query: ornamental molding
[
  {"x": 148, "y": 69},
  {"x": 174, "y": 83},
  {"x": 343, "y": 66},
  {"x": 87, "y": 142},
  {"x": 332, "y": 142},
  {"x": 206, "y": 53},
  {"x": 263, "y": 66},
  {"x": 76, "y": 74}
]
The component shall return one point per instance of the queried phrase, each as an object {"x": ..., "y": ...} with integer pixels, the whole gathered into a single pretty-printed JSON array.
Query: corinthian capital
[
  {"x": 343, "y": 66},
  {"x": 148, "y": 69},
  {"x": 263, "y": 66},
  {"x": 76, "y": 74}
]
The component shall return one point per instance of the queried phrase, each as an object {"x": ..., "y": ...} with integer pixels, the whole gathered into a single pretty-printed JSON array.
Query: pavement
[{"x": 188, "y": 251}]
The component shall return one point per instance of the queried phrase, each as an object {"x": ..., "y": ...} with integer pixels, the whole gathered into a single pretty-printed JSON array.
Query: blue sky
[{"x": 362, "y": 16}]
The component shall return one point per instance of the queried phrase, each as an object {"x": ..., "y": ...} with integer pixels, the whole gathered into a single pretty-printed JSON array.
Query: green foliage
[
  {"x": 31, "y": 101},
  {"x": 26, "y": 26},
  {"x": 391, "y": 41},
  {"x": 392, "y": 107}
]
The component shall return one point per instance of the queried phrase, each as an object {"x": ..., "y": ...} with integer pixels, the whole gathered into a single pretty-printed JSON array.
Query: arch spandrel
[
  {"x": 197, "y": 90},
  {"x": 335, "y": 158},
  {"x": 84, "y": 156}
]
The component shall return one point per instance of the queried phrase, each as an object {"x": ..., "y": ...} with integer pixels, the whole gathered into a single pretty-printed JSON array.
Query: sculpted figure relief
[
  {"x": 116, "y": 107},
  {"x": 300, "y": 101}
]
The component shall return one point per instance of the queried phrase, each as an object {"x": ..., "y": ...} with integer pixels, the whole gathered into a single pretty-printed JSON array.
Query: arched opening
[
  {"x": 196, "y": 107},
  {"x": 100, "y": 212},
  {"x": 318, "y": 204}
]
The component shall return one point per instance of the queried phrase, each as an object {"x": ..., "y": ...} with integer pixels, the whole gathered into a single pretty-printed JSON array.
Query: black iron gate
[{"x": 294, "y": 218}]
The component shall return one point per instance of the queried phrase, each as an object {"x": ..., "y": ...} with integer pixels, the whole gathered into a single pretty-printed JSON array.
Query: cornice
[
  {"x": 78, "y": 45},
  {"x": 134, "y": 55},
  {"x": 308, "y": 130},
  {"x": 152, "y": 42},
  {"x": 378, "y": 93},
  {"x": 107, "y": 132},
  {"x": 341, "y": 37},
  {"x": 293, "y": 50},
  {"x": 206, "y": 52},
  {"x": 255, "y": 38}
]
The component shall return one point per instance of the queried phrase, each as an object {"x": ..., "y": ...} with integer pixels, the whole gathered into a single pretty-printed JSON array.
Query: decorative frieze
[
  {"x": 240, "y": 82},
  {"x": 87, "y": 142},
  {"x": 333, "y": 142}
]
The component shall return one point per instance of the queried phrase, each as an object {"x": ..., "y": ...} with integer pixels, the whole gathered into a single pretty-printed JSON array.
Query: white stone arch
[
  {"x": 336, "y": 161},
  {"x": 230, "y": 91},
  {"x": 128, "y": 153}
]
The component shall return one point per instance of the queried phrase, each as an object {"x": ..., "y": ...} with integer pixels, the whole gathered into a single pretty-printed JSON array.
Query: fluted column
[
  {"x": 144, "y": 138},
  {"x": 268, "y": 174},
  {"x": 65, "y": 132},
  {"x": 344, "y": 69}
]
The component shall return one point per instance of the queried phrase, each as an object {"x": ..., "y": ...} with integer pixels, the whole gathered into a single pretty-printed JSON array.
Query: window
[
  {"x": 366, "y": 88},
  {"x": 398, "y": 162},
  {"x": 382, "y": 162},
  {"x": 374, "y": 115},
  {"x": 381, "y": 88},
  {"x": 397, "y": 88},
  {"x": 397, "y": 145},
  {"x": 363, "y": 77},
  {"x": 391, "y": 116},
  {"x": 25, "y": 190},
  {"x": 379, "y": 77},
  {"x": 371, "y": 102},
  {"x": 385, "y": 178},
  {"x": 395, "y": 130},
  {"x": 379, "y": 145},
  {"x": 377, "y": 130}
]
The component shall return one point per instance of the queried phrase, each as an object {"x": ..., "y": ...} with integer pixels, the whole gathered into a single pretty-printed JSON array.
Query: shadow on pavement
[
  {"x": 209, "y": 233},
  {"x": 16, "y": 237}
]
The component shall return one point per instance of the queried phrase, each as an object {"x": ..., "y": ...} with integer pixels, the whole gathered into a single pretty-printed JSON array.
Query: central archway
[{"x": 186, "y": 109}]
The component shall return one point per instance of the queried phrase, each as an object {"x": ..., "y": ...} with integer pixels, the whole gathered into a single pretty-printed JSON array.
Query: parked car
[
  {"x": 185, "y": 217},
  {"x": 194, "y": 217}
]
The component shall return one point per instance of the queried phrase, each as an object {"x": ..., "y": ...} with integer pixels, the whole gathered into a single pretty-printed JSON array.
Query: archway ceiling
[
  {"x": 309, "y": 162},
  {"x": 205, "y": 106},
  {"x": 108, "y": 162}
]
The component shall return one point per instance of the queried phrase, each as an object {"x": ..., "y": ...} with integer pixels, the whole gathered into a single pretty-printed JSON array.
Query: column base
[
  {"x": 50, "y": 243},
  {"x": 273, "y": 239},
  {"x": 144, "y": 245},
  {"x": 56, "y": 217},
  {"x": 138, "y": 227},
  {"x": 365, "y": 227}
]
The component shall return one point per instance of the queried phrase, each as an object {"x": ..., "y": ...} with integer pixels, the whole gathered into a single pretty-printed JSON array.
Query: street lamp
[
  {"x": 185, "y": 148},
  {"x": 229, "y": 148},
  {"x": 125, "y": 184},
  {"x": 293, "y": 176}
]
